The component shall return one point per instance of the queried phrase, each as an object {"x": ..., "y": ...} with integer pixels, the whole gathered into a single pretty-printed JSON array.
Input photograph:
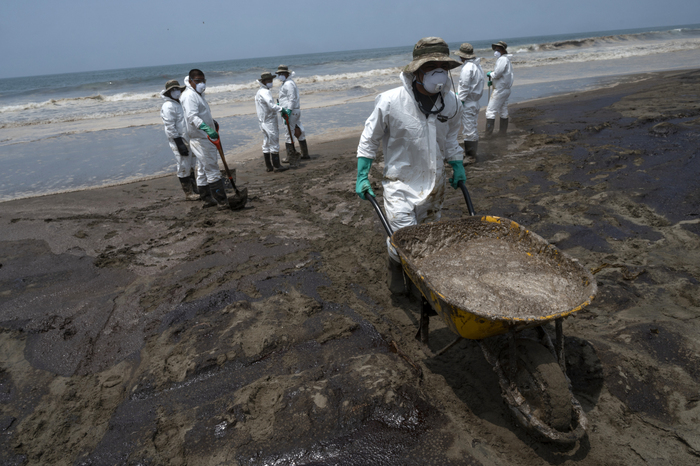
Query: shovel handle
[
  {"x": 467, "y": 199},
  {"x": 217, "y": 143},
  {"x": 383, "y": 219}
]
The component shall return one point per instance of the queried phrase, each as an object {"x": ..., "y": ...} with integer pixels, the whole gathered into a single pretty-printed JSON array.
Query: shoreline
[{"x": 136, "y": 326}]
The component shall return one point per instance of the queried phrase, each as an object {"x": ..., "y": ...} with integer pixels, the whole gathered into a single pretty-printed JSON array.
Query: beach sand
[{"x": 138, "y": 328}]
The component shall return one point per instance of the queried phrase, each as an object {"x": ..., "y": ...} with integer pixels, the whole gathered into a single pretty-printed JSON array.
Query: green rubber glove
[
  {"x": 457, "y": 173},
  {"x": 362, "y": 185},
  {"x": 286, "y": 112},
  {"x": 210, "y": 132}
]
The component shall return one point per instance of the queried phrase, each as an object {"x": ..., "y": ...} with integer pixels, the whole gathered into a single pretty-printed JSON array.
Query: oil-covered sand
[{"x": 137, "y": 328}]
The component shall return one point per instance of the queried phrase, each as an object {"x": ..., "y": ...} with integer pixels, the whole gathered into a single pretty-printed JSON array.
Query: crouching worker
[
  {"x": 418, "y": 123},
  {"x": 267, "y": 119},
  {"x": 200, "y": 127},
  {"x": 176, "y": 131}
]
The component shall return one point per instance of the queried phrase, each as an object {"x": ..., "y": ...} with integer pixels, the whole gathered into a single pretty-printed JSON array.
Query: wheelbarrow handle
[
  {"x": 385, "y": 223},
  {"x": 468, "y": 199}
]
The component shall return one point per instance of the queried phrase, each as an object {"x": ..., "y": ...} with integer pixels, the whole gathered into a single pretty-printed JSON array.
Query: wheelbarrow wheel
[{"x": 542, "y": 383}]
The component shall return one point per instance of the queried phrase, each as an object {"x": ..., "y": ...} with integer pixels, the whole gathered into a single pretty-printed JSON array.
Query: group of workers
[
  {"x": 418, "y": 124},
  {"x": 190, "y": 127}
]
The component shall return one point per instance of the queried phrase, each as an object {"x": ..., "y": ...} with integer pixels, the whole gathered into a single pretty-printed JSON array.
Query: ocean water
[{"x": 80, "y": 130}]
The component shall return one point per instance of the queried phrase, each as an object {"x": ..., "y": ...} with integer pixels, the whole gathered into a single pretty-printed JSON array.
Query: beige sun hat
[
  {"x": 282, "y": 69},
  {"x": 500, "y": 43},
  {"x": 466, "y": 51},
  {"x": 173, "y": 84},
  {"x": 266, "y": 75},
  {"x": 430, "y": 49}
]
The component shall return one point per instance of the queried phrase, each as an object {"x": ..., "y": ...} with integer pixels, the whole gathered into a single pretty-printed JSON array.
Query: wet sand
[{"x": 138, "y": 328}]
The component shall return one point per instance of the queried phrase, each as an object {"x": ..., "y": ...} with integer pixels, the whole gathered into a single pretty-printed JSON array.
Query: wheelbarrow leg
[{"x": 424, "y": 324}]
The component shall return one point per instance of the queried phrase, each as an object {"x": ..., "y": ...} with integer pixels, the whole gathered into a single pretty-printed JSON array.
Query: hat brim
[
  {"x": 468, "y": 56},
  {"x": 498, "y": 45},
  {"x": 438, "y": 57},
  {"x": 278, "y": 72},
  {"x": 181, "y": 88}
]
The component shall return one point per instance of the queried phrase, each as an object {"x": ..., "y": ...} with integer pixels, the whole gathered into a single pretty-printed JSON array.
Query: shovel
[{"x": 238, "y": 201}]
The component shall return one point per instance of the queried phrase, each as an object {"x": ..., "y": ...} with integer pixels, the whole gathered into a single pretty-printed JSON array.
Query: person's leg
[
  {"x": 205, "y": 171},
  {"x": 470, "y": 117},
  {"x": 503, "y": 112}
]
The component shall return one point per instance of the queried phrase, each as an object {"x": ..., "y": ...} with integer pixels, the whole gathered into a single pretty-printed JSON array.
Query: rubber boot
[
  {"x": 268, "y": 162},
  {"x": 205, "y": 196},
  {"x": 395, "y": 280},
  {"x": 304, "y": 150},
  {"x": 292, "y": 156},
  {"x": 502, "y": 127},
  {"x": 218, "y": 193},
  {"x": 186, "y": 184},
  {"x": 490, "y": 125},
  {"x": 470, "y": 152},
  {"x": 276, "y": 163},
  {"x": 193, "y": 182}
]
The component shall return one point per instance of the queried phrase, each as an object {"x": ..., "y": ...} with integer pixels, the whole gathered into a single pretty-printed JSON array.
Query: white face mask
[
  {"x": 175, "y": 94},
  {"x": 434, "y": 81},
  {"x": 269, "y": 85},
  {"x": 201, "y": 87},
  {"x": 282, "y": 77},
  {"x": 497, "y": 54}
]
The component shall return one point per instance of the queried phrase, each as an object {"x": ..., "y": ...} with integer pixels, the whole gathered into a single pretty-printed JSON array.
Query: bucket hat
[
  {"x": 173, "y": 84},
  {"x": 266, "y": 75},
  {"x": 466, "y": 51},
  {"x": 430, "y": 49},
  {"x": 500, "y": 43},
  {"x": 282, "y": 69}
]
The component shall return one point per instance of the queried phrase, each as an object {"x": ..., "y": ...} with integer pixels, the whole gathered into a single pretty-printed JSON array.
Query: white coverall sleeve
[
  {"x": 453, "y": 151},
  {"x": 192, "y": 113},
  {"x": 270, "y": 103},
  {"x": 376, "y": 128},
  {"x": 169, "y": 120},
  {"x": 499, "y": 69}
]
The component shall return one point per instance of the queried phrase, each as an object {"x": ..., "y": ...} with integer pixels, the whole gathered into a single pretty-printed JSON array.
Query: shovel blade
[{"x": 238, "y": 200}]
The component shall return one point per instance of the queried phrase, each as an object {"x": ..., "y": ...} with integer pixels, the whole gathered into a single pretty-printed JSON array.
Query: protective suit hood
[{"x": 166, "y": 98}]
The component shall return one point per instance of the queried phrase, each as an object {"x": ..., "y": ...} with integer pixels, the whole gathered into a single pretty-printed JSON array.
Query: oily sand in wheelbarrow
[{"x": 492, "y": 277}]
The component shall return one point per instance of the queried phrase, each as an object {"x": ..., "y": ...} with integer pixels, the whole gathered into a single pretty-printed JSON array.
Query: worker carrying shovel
[
  {"x": 200, "y": 127},
  {"x": 291, "y": 111}
]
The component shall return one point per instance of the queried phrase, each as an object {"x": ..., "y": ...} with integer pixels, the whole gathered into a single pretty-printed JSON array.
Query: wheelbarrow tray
[{"x": 486, "y": 275}]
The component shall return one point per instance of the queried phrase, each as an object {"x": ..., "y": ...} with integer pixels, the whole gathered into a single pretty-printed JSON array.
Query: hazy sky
[{"x": 61, "y": 36}]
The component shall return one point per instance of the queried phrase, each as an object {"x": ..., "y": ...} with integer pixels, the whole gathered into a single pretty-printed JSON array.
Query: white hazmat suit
[
  {"x": 197, "y": 112},
  {"x": 502, "y": 77},
  {"x": 175, "y": 127},
  {"x": 267, "y": 119},
  {"x": 471, "y": 87},
  {"x": 415, "y": 150},
  {"x": 289, "y": 98}
]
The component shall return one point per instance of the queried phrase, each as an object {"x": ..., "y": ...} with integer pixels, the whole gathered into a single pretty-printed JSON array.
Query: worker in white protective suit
[
  {"x": 418, "y": 124},
  {"x": 176, "y": 130},
  {"x": 502, "y": 78},
  {"x": 289, "y": 100},
  {"x": 471, "y": 87},
  {"x": 200, "y": 127},
  {"x": 267, "y": 119}
]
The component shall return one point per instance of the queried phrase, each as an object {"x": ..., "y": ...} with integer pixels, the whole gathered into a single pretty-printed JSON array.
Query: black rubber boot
[
  {"x": 218, "y": 193},
  {"x": 503, "y": 127},
  {"x": 193, "y": 182},
  {"x": 304, "y": 150},
  {"x": 205, "y": 196},
  {"x": 276, "y": 163},
  {"x": 395, "y": 280},
  {"x": 490, "y": 125},
  {"x": 470, "y": 151},
  {"x": 268, "y": 162},
  {"x": 186, "y": 184}
]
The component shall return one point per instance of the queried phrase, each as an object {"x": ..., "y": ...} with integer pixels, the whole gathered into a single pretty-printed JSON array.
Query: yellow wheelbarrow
[{"x": 489, "y": 279}]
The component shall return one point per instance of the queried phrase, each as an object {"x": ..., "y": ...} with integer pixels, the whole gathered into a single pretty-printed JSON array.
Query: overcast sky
[{"x": 60, "y": 36}]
